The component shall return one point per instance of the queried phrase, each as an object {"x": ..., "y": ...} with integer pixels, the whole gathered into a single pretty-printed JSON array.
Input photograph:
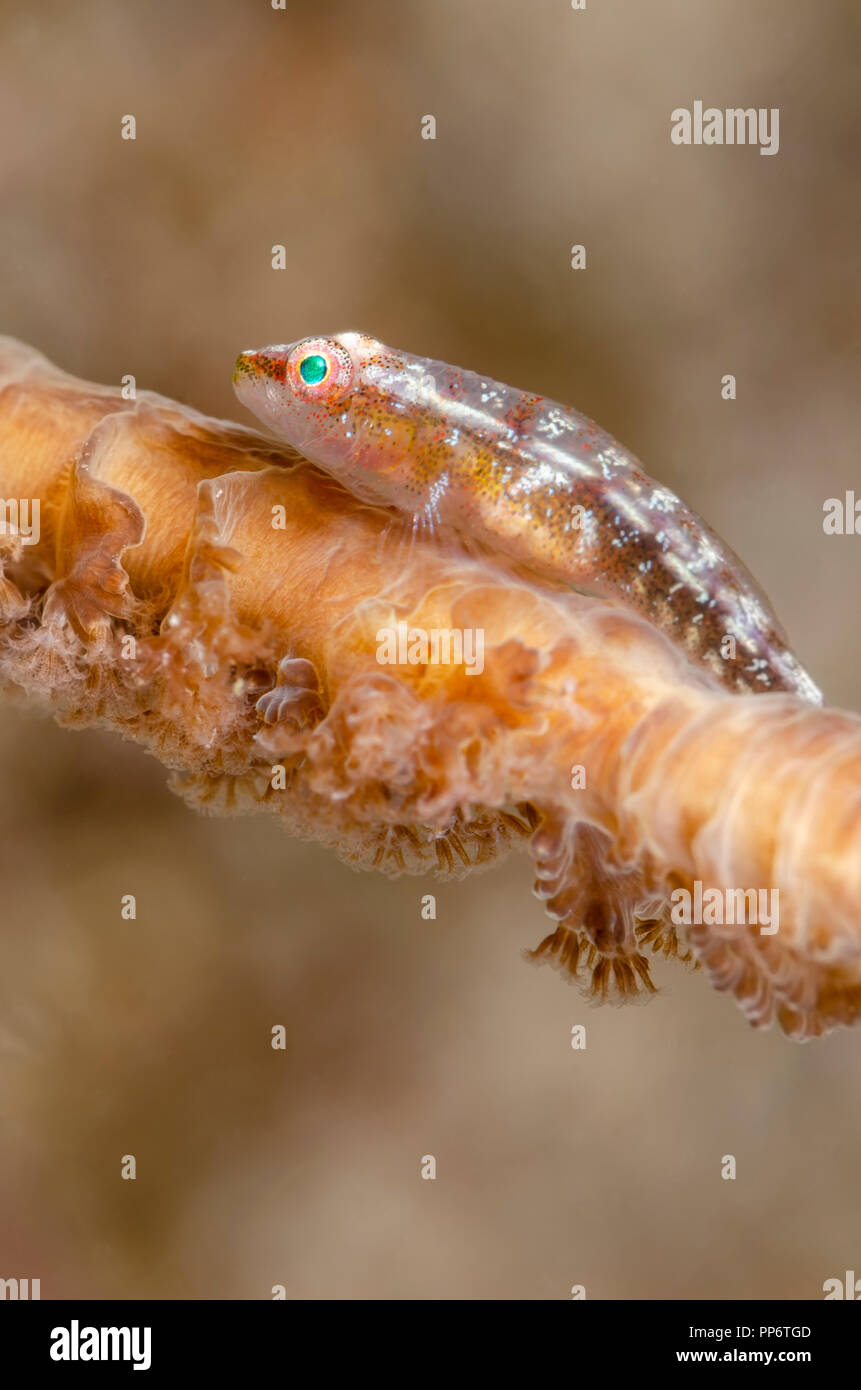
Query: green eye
[{"x": 313, "y": 369}]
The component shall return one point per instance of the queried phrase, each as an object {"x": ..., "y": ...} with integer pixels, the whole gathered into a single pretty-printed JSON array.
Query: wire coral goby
[
  {"x": 527, "y": 479},
  {"x": 218, "y": 599}
]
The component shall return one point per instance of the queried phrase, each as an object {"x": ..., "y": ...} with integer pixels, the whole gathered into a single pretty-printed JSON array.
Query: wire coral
[{"x": 216, "y": 598}]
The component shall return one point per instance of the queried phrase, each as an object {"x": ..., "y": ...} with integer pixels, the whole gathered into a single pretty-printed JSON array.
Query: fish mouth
[{"x": 244, "y": 367}]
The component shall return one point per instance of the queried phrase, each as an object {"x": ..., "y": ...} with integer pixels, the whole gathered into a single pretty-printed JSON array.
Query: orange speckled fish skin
[{"x": 526, "y": 478}]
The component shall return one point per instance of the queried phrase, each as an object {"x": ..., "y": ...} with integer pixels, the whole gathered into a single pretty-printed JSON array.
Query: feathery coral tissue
[{"x": 216, "y": 598}]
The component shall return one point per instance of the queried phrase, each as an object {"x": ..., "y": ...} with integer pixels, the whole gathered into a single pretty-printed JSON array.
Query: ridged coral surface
[{"x": 218, "y": 600}]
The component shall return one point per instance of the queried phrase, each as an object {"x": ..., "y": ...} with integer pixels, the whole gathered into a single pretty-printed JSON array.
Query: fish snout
[{"x": 255, "y": 364}]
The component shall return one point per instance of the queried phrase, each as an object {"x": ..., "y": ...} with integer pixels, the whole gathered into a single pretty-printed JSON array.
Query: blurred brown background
[{"x": 407, "y": 1037}]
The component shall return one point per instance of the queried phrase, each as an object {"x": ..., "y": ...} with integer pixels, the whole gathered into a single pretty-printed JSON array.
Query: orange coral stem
[{"x": 215, "y": 597}]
